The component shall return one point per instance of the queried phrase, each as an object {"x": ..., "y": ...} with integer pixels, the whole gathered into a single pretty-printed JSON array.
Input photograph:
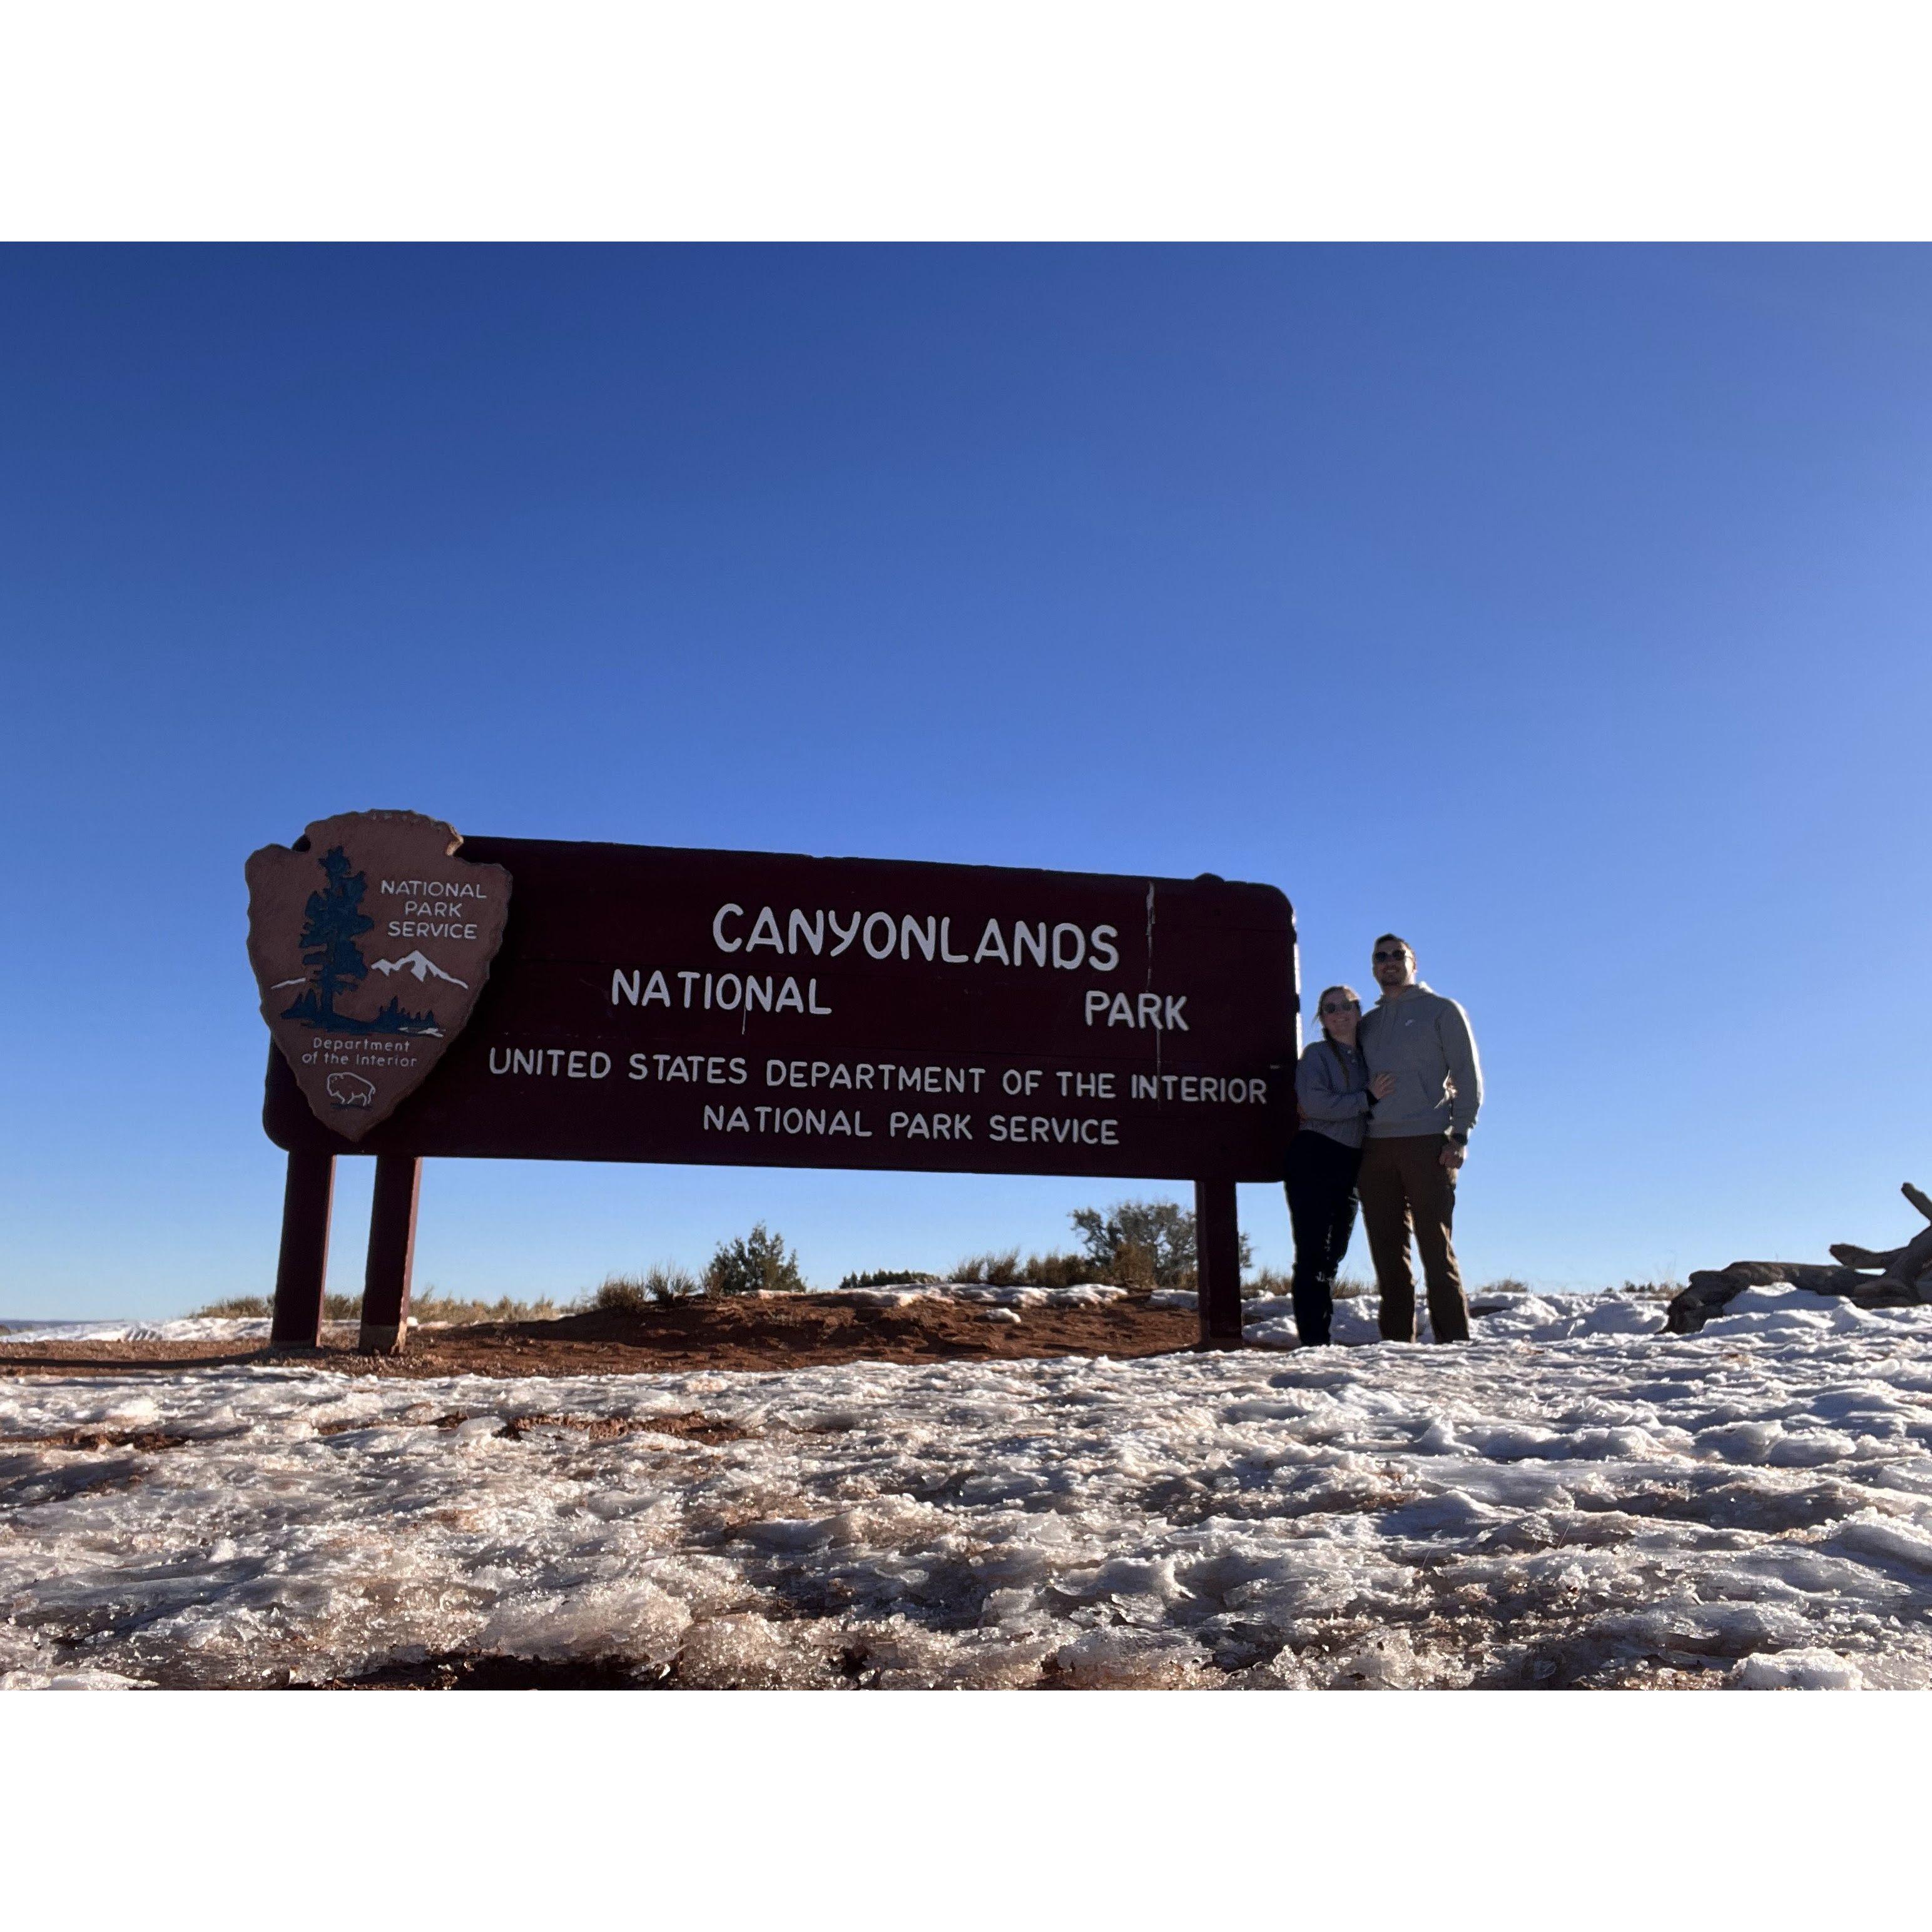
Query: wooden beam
[
  {"x": 1217, "y": 1256},
  {"x": 392, "y": 1250},
  {"x": 303, "y": 1269}
]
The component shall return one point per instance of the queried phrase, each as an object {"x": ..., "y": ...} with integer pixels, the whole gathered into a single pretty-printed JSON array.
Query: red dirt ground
[{"x": 755, "y": 1332}]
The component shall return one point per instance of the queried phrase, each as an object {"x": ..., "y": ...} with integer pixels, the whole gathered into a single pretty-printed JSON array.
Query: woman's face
[{"x": 1338, "y": 1016}]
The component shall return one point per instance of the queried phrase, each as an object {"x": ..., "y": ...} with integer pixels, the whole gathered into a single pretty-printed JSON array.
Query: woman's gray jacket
[{"x": 1333, "y": 1091}]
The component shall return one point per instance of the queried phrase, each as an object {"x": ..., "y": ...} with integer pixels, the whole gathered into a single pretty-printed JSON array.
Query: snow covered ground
[
  {"x": 1572, "y": 1499},
  {"x": 185, "y": 1328}
]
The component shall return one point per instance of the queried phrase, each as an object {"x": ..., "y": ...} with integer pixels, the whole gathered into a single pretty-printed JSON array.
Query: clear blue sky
[{"x": 1565, "y": 609}]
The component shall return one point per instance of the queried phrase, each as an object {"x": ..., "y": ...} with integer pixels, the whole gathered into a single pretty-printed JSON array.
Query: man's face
[{"x": 1394, "y": 965}]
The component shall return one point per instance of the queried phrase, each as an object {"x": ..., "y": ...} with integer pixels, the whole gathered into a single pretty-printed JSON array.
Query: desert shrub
[
  {"x": 887, "y": 1278},
  {"x": 1508, "y": 1285},
  {"x": 1280, "y": 1281},
  {"x": 621, "y": 1294},
  {"x": 335, "y": 1307},
  {"x": 636, "y": 1294},
  {"x": 1163, "y": 1229},
  {"x": 434, "y": 1307},
  {"x": 997, "y": 1271},
  {"x": 758, "y": 1263},
  {"x": 1005, "y": 1269},
  {"x": 1056, "y": 1270}
]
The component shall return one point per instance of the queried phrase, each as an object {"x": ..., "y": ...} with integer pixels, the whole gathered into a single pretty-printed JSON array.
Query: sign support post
[
  {"x": 1217, "y": 1254},
  {"x": 303, "y": 1267},
  {"x": 392, "y": 1245}
]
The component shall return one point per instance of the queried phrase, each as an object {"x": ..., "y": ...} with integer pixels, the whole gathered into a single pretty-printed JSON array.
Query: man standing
[{"x": 1417, "y": 1139}]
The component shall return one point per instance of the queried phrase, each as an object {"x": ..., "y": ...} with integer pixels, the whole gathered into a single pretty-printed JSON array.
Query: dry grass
[
  {"x": 657, "y": 1287},
  {"x": 425, "y": 1308},
  {"x": 1279, "y": 1282},
  {"x": 1654, "y": 1291},
  {"x": 1004, "y": 1269}
]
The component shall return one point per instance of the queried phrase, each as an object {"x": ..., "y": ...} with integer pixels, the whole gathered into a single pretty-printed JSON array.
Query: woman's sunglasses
[{"x": 1341, "y": 1006}]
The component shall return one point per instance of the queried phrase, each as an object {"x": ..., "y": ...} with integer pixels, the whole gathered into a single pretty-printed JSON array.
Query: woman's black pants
[{"x": 1321, "y": 1205}]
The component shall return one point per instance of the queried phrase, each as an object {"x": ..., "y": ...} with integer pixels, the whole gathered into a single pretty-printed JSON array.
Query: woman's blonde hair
[{"x": 1323, "y": 1000}]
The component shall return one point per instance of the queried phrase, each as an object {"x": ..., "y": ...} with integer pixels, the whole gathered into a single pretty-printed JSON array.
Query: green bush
[
  {"x": 887, "y": 1278},
  {"x": 1004, "y": 1268},
  {"x": 755, "y": 1264},
  {"x": 1057, "y": 1270},
  {"x": 1162, "y": 1231}
]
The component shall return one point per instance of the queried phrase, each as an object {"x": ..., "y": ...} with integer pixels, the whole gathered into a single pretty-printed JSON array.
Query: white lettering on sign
[
  {"x": 787, "y": 1120},
  {"x": 1086, "y": 1086},
  {"x": 1062, "y": 1130},
  {"x": 710, "y": 1069},
  {"x": 756, "y": 993},
  {"x": 432, "y": 889},
  {"x": 1191, "y": 1087},
  {"x": 1159, "y": 1011},
  {"x": 1065, "y": 946},
  {"x": 557, "y": 1062},
  {"x": 929, "y": 1127},
  {"x": 883, "y": 1076}
]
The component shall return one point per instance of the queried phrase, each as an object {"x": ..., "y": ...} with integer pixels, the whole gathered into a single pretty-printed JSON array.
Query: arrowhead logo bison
[{"x": 370, "y": 942}]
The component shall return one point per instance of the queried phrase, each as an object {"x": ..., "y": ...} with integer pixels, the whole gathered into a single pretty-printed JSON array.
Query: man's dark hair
[{"x": 1382, "y": 939}]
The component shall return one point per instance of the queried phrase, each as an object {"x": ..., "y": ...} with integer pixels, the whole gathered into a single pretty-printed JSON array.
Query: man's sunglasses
[{"x": 1386, "y": 958}]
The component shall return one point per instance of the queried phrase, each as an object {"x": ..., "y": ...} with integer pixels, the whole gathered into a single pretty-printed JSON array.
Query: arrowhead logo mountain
[{"x": 371, "y": 941}]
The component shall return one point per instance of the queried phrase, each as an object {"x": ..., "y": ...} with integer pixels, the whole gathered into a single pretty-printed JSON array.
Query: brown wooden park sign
[{"x": 536, "y": 999}]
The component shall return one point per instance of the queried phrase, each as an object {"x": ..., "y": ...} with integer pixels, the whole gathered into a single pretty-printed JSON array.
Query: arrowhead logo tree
[{"x": 312, "y": 907}]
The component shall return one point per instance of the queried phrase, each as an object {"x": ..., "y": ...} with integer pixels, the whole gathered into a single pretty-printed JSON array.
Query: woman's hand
[{"x": 1382, "y": 1085}]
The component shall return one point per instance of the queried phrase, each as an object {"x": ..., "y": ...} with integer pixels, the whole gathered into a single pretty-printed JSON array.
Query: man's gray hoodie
[{"x": 1424, "y": 1040}]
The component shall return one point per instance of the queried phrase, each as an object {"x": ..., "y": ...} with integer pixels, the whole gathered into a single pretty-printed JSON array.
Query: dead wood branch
[
  {"x": 1903, "y": 1276},
  {"x": 1852, "y": 1255}
]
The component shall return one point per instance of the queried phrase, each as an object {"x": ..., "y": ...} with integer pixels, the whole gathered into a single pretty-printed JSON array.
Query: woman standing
[{"x": 1335, "y": 1093}]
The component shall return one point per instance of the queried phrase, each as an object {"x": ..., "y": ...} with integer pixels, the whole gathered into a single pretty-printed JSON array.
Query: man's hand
[
  {"x": 1382, "y": 1085},
  {"x": 1454, "y": 1155}
]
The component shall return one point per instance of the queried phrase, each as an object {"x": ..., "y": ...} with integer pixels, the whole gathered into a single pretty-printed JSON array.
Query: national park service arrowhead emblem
[{"x": 370, "y": 942}]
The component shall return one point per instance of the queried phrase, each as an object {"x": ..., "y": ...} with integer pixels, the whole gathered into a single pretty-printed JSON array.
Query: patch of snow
[
  {"x": 1083, "y": 1294},
  {"x": 185, "y": 1328},
  {"x": 1798, "y": 1670},
  {"x": 1571, "y": 1499}
]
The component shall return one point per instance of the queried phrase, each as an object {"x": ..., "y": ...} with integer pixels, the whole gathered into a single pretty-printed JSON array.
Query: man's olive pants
[{"x": 1403, "y": 1182}]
